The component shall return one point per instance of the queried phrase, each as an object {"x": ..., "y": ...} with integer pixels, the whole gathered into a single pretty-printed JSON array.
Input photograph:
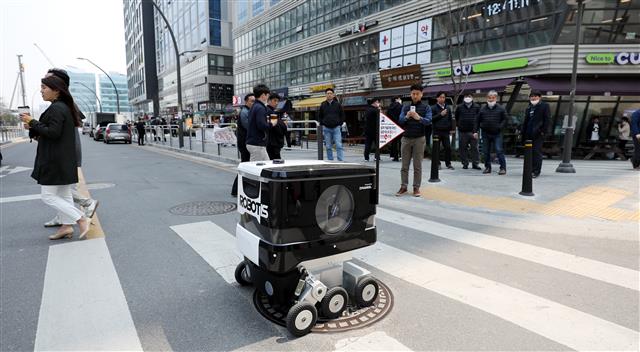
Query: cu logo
[
  {"x": 462, "y": 70},
  {"x": 628, "y": 58}
]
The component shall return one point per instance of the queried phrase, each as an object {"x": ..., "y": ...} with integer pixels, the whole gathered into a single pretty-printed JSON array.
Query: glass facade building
[
  {"x": 108, "y": 94},
  {"x": 83, "y": 90},
  {"x": 512, "y": 46}
]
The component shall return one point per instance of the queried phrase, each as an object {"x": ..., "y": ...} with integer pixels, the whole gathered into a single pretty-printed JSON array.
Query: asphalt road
[{"x": 458, "y": 283}]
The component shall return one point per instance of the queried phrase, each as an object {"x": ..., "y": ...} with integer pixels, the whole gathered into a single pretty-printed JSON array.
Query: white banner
[
  {"x": 223, "y": 135},
  {"x": 389, "y": 130}
]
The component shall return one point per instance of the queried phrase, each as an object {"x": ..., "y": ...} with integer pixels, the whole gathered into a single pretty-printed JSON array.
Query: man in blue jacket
[
  {"x": 635, "y": 135},
  {"x": 413, "y": 118},
  {"x": 258, "y": 125}
]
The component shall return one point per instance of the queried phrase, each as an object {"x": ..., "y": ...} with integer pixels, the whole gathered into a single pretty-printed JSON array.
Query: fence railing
[
  {"x": 202, "y": 134},
  {"x": 7, "y": 134}
]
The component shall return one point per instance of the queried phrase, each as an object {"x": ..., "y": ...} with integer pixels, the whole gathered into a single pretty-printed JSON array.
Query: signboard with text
[
  {"x": 624, "y": 58},
  {"x": 401, "y": 77},
  {"x": 389, "y": 130},
  {"x": 406, "y": 45}
]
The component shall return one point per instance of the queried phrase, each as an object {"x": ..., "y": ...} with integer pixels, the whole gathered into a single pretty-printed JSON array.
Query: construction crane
[{"x": 45, "y": 55}]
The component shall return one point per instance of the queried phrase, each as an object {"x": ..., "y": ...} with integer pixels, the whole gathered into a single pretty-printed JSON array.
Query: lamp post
[
  {"x": 92, "y": 91},
  {"x": 109, "y": 77},
  {"x": 178, "y": 76},
  {"x": 566, "y": 166}
]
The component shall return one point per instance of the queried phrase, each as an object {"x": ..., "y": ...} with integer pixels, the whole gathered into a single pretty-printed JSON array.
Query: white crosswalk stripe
[{"x": 610, "y": 273}]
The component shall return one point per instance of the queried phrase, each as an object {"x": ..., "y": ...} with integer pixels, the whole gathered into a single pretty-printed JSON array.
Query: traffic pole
[
  {"x": 527, "y": 176},
  {"x": 378, "y": 160},
  {"x": 435, "y": 160}
]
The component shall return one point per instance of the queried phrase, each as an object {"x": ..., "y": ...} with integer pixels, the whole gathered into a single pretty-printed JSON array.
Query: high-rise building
[
  {"x": 108, "y": 94},
  {"x": 142, "y": 78},
  {"x": 378, "y": 48},
  {"x": 82, "y": 86},
  {"x": 203, "y": 34}
]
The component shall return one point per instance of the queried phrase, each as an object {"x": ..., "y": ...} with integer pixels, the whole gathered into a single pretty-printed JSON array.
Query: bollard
[
  {"x": 202, "y": 135},
  {"x": 527, "y": 177},
  {"x": 435, "y": 160},
  {"x": 190, "y": 139},
  {"x": 319, "y": 138}
]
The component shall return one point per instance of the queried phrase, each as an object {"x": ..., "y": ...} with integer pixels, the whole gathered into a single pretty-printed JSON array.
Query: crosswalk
[{"x": 102, "y": 308}]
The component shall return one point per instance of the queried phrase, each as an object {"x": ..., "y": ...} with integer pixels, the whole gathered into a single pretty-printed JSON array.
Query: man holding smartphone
[{"x": 413, "y": 119}]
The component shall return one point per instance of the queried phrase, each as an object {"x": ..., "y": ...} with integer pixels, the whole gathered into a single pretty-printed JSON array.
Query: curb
[{"x": 198, "y": 154}]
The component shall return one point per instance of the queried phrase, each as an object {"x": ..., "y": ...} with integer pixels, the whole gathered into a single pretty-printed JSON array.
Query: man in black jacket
[
  {"x": 443, "y": 125},
  {"x": 331, "y": 117},
  {"x": 466, "y": 114},
  {"x": 535, "y": 126},
  {"x": 413, "y": 118},
  {"x": 393, "y": 112},
  {"x": 241, "y": 133},
  {"x": 371, "y": 118},
  {"x": 278, "y": 128},
  {"x": 491, "y": 120},
  {"x": 258, "y": 125},
  {"x": 140, "y": 128}
]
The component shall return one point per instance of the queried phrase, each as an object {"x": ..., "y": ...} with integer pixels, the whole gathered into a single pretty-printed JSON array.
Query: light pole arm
[
  {"x": 94, "y": 93},
  {"x": 114, "y": 85},
  {"x": 175, "y": 47}
]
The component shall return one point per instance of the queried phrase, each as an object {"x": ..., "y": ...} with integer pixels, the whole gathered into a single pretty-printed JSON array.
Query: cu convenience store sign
[{"x": 624, "y": 58}]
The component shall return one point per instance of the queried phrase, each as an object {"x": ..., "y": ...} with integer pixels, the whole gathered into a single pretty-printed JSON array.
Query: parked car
[
  {"x": 117, "y": 132},
  {"x": 86, "y": 128},
  {"x": 98, "y": 133}
]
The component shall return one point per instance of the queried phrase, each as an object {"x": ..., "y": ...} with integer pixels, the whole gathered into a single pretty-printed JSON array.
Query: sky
[{"x": 64, "y": 30}]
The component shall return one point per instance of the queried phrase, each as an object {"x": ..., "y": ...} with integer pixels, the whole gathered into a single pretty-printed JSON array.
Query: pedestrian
[
  {"x": 278, "y": 128},
  {"x": 56, "y": 164},
  {"x": 331, "y": 117},
  {"x": 241, "y": 134},
  {"x": 624, "y": 134},
  {"x": 593, "y": 131},
  {"x": 86, "y": 204},
  {"x": 466, "y": 114},
  {"x": 286, "y": 118},
  {"x": 491, "y": 120},
  {"x": 413, "y": 118},
  {"x": 537, "y": 118},
  {"x": 344, "y": 130},
  {"x": 443, "y": 125},
  {"x": 393, "y": 112},
  {"x": 140, "y": 127},
  {"x": 635, "y": 136},
  {"x": 258, "y": 125},
  {"x": 371, "y": 120}
]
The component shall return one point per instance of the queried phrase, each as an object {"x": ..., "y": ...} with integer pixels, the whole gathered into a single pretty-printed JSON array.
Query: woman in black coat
[{"x": 55, "y": 166}]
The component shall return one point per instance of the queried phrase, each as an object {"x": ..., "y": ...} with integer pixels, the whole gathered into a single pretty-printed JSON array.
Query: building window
[
  {"x": 215, "y": 32},
  {"x": 258, "y": 7},
  {"x": 241, "y": 10},
  {"x": 274, "y": 2},
  {"x": 214, "y": 9},
  {"x": 604, "y": 22}
]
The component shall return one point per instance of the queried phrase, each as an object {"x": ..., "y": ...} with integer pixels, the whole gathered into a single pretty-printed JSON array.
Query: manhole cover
[
  {"x": 92, "y": 186},
  {"x": 351, "y": 318},
  {"x": 203, "y": 208}
]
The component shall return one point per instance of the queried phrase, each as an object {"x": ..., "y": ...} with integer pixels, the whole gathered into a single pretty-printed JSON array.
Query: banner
[
  {"x": 389, "y": 130},
  {"x": 223, "y": 135}
]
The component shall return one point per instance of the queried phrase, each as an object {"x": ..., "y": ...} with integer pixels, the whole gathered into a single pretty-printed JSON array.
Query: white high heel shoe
[{"x": 83, "y": 229}]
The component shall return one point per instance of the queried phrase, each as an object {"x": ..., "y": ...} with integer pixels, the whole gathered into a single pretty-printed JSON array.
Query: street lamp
[
  {"x": 106, "y": 74},
  {"x": 566, "y": 166},
  {"x": 92, "y": 91},
  {"x": 178, "y": 77}
]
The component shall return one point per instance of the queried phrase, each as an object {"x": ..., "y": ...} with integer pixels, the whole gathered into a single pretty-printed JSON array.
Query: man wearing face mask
[
  {"x": 534, "y": 128},
  {"x": 466, "y": 114},
  {"x": 491, "y": 120}
]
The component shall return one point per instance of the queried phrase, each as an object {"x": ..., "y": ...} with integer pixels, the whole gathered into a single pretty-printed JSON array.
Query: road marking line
[
  {"x": 13, "y": 171},
  {"x": 590, "y": 268},
  {"x": 565, "y": 325},
  {"x": 83, "y": 305},
  {"x": 19, "y": 198},
  {"x": 215, "y": 245},
  {"x": 376, "y": 341}
]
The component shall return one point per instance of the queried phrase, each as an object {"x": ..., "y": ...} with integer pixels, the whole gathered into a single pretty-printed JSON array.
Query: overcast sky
[{"x": 65, "y": 30}]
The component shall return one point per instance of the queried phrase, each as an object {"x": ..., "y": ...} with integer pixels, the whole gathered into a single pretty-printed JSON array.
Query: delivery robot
[{"x": 300, "y": 221}]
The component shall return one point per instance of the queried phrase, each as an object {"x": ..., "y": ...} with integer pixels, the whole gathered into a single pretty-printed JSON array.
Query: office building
[
  {"x": 82, "y": 86},
  {"x": 108, "y": 94},
  {"x": 377, "y": 48}
]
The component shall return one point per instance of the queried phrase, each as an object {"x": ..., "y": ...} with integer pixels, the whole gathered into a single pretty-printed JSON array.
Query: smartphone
[
  {"x": 24, "y": 110},
  {"x": 412, "y": 108}
]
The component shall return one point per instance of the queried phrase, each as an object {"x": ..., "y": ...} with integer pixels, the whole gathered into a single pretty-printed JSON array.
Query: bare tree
[{"x": 457, "y": 46}]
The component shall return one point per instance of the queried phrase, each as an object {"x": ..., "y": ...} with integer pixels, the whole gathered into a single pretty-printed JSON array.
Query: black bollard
[
  {"x": 435, "y": 160},
  {"x": 527, "y": 177}
]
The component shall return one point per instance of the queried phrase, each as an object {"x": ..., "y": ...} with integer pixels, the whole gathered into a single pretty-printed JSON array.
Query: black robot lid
[{"x": 305, "y": 169}]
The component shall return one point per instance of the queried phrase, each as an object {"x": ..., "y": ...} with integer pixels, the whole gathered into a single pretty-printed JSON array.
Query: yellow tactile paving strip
[
  {"x": 96, "y": 229},
  {"x": 592, "y": 201}
]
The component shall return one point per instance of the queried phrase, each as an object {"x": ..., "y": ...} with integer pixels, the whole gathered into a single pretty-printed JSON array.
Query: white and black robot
[{"x": 299, "y": 222}]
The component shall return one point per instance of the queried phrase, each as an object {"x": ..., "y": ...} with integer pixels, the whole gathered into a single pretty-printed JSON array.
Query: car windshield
[{"x": 118, "y": 128}]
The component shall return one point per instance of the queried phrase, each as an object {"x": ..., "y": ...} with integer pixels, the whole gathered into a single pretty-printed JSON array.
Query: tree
[
  {"x": 457, "y": 46},
  {"x": 7, "y": 118}
]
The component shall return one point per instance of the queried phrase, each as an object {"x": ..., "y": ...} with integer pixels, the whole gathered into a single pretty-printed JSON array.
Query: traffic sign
[{"x": 389, "y": 130}]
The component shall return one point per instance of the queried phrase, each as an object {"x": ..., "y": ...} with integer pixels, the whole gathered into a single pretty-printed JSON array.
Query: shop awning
[
  {"x": 496, "y": 84},
  {"x": 585, "y": 86},
  {"x": 309, "y": 103}
]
